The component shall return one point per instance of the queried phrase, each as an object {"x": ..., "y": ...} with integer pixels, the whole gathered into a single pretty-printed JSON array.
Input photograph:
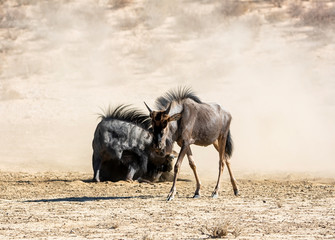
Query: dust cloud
[{"x": 62, "y": 62}]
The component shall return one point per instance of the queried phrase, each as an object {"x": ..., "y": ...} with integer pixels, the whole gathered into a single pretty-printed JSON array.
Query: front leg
[
  {"x": 96, "y": 168},
  {"x": 194, "y": 168},
  {"x": 176, "y": 171},
  {"x": 130, "y": 174}
]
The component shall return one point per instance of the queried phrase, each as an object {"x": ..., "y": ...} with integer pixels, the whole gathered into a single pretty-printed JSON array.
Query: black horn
[
  {"x": 168, "y": 109},
  {"x": 148, "y": 107}
]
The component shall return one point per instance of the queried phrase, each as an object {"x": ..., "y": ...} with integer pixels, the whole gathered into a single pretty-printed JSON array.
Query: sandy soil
[{"x": 66, "y": 205}]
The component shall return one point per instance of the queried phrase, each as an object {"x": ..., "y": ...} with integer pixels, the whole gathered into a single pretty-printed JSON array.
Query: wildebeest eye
[{"x": 164, "y": 123}]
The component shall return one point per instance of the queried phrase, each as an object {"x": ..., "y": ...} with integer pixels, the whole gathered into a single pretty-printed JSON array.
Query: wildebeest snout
[
  {"x": 160, "y": 151},
  {"x": 159, "y": 148}
]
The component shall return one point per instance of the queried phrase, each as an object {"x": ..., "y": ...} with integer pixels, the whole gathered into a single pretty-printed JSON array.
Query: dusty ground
[{"x": 66, "y": 205}]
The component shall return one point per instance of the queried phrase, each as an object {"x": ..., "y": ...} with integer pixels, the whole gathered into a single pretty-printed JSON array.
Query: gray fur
[{"x": 122, "y": 148}]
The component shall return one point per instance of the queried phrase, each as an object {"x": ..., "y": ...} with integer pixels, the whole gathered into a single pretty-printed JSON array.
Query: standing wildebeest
[
  {"x": 185, "y": 119},
  {"x": 122, "y": 147}
]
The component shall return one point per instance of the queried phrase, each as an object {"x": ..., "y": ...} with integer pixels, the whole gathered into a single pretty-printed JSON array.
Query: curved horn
[
  {"x": 168, "y": 109},
  {"x": 148, "y": 107}
]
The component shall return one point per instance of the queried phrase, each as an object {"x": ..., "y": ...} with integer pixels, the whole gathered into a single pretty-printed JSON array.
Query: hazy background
[{"x": 270, "y": 63}]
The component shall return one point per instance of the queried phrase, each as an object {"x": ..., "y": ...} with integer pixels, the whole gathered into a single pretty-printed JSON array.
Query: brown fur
[{"x": 187, "y": 122}]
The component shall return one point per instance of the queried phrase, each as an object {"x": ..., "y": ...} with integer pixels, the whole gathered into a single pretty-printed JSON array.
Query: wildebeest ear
[
  {"x": 175, "y": 117},
  {"x": 148, "y": 108}
]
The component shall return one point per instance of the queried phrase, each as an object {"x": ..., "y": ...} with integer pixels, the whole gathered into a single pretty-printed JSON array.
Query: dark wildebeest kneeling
[
  {"x": 183, "y": 118},
  {"x": 122, "y": 148}
]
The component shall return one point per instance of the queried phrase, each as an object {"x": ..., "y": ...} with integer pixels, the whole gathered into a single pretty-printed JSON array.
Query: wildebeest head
[{"x": 160, "y": 125}]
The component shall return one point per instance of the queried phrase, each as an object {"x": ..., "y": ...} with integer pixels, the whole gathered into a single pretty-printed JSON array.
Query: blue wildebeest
[
  {"x": 122, "y": 147},
  {"x": 183, "y": 118}
]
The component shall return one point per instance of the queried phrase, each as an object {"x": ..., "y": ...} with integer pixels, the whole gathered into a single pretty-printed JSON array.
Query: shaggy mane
[
  {"x": 129, "y": 114},
  {"x": 176, "y": 95}
]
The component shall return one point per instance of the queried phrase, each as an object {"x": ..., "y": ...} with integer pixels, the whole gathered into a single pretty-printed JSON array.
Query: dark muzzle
[
  {"x": 160, "y": 151},
  {"x": 158, "y": 146}
]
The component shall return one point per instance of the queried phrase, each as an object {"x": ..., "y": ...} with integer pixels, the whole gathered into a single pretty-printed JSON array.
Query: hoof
[
  {"x": 236, "y": 192},
  {"x": 215, "y": 195},
  {"x": 169, "y": 198},
  {"x": 196, "y": 196}
]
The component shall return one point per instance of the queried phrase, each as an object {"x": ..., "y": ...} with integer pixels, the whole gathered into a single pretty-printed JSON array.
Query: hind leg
[
  {"x": 218, "y": 146},
  {"x": 232, "y": 179}
]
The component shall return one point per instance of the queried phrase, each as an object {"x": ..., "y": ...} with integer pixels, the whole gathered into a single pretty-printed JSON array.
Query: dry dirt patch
[{"x": 66, "y": 205}]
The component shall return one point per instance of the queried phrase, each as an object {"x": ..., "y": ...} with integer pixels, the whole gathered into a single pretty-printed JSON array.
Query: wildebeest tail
[{"x": 229, "y": 146}]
